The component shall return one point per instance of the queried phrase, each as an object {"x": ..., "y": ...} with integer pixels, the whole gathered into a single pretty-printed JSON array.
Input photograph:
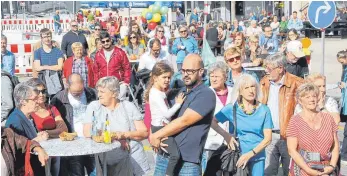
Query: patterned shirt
[{"x": 80, "y": 66}]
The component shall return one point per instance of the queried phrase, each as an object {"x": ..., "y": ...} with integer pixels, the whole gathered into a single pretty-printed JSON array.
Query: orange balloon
[{"x": 306, "y": 42}]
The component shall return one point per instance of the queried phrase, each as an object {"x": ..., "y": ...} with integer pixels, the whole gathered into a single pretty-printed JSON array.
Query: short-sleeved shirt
[
  {"x": 48, "y": 122},
  {"x": 56, "y": 18},
  {"x": 308, "y": 138},
  {"x": 50, "y": 58},
  {"x": 249, "y": 127},
  {"x": 191, "y": 141},
  {"x": 134, "y": 51},
  {"x": 121, "y": 119}
]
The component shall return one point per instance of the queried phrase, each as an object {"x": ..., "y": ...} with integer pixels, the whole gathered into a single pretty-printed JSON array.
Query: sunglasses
[
  {"x": 183, "y": 31},
  {"x": 105, "y": 41},
  {"x": 234, "y": 58},
  {"x": 97, "y": 29},
  {"x": 43, "y": 91},
  {"x": 74, "y": 25},
  {"x": 160, "y": 31},
  {"x": 132, "y": 37}
]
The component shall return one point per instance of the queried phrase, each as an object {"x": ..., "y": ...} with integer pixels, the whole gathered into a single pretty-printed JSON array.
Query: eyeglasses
[
  {"x": 156, "y": 51},
  {"x": 183, "y": 31},
  {"x": 74, "y": 25},
  {"x": 270, "y": 69},
  {"x": 269, "y": 31},
  {"x": 189, "y": 71},
  {"x": 232, "y": 59},
  {"x": 105, "y": 41},
  {"x": 132, "y": 37},
  {"x": 46, "y": 37},
  {"x": 43, "y": 91},
  {"x": 97, "y": 29},
  {"x": 160, "y": 31},
  {"x": 33, "y": 99}
]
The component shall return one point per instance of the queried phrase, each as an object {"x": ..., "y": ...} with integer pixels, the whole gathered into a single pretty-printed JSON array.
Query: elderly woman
[
  {"x": 126, "y": 121},
  {"x": 134, "y": 49},
  {"x": 80, "y": 64},
  {"x": 312, "y": 133},
  {"x": 233, "y": 58},
  {"x": 26, "y": 98},
  {"x": 253, "y": 124},
  {"x": 217, "y": 73},
  {"x": 325, "y": 103}
]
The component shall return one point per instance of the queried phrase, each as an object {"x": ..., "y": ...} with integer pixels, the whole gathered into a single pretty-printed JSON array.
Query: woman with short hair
[
  {"x": 217, "y": 73},
  {"x": 79, "y": 64},
  {"x": 126, "y": 121},
  {"x": 26, "y": 97},
  {"x": 253, "y": 124},
  {"x": 234, "y": 59},
  {"x": 325, "y": 103},
  {"x": 312, "y": 136}
]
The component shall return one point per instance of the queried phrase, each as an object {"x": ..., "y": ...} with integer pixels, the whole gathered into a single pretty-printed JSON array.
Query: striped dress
[{"x": 320, "y": 140}]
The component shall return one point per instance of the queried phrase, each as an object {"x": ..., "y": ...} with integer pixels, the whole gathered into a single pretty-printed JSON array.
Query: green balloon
[
  {"x": 144, "y": 12},
  {"x": 164, "y": 10},
  {"x": 156, "y": 9}
]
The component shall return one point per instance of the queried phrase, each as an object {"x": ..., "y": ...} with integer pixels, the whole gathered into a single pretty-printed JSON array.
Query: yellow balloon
[
  {"x": 156, "y": 17},
  {"x": 97, "y": 12}
]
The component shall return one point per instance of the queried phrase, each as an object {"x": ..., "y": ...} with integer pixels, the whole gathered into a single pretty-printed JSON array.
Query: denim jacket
[
  {"x": 298, "y": 25},
  {"x": 191, "y": 46},
  {"x": 270, "y": 44},
  {"x": 8, "y": 62}
]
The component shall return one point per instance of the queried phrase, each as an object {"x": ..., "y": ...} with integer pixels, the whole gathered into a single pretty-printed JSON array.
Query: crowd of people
[{"x": 192, "y": 111}]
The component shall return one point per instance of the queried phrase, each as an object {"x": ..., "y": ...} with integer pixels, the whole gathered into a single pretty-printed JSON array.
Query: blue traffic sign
[{"x": 321, "y": 14}]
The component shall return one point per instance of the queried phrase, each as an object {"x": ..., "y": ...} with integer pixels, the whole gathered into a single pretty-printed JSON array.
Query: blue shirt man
[
  {"x": 269, "y": 41},
  {"x": 183, "y": 46},
  {"x": 191, "y": 123},
  {"x": 7, "y": 58},
  {"x": 295, "y": 23}
]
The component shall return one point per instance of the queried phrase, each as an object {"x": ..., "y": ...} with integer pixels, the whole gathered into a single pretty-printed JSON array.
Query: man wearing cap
[{"x": 296, "y": 59}]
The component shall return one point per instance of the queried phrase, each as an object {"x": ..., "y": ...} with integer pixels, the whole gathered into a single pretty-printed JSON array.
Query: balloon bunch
[{"x": 155, "y": 14}]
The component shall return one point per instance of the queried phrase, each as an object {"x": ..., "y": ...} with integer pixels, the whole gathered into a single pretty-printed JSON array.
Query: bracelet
[
  {"x": 254, "y": 152},
  {"x": 332, "y": 166}
]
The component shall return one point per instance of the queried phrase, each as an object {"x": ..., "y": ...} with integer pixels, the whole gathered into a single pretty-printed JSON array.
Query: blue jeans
[
  {"x": 56, "y": 29},
  {"x": 186, "y": 168}
]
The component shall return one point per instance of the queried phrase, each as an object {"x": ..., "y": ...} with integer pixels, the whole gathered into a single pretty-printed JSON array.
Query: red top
[
  {"x": 67, "y": 69},
  {"x": 308, "y": 138},
  {"x": 47, "y": 123}
]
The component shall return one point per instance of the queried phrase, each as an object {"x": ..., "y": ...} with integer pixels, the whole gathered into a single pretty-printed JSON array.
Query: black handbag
[{"x": 225, "y": 159}]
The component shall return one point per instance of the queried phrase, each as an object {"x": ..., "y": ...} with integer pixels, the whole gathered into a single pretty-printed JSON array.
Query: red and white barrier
[
  {"x": 23, "y": 53},
  {"x": 33, "y": 25}
]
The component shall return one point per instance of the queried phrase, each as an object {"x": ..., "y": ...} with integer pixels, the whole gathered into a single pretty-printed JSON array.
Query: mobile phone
[{"x": 318, "y": 167}]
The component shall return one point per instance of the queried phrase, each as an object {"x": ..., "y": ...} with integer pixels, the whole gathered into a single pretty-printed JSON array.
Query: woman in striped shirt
[{"x": 311, "y": 137}]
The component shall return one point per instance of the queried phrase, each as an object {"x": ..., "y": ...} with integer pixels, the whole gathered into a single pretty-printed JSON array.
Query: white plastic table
[{"x": 79, "y": 146}]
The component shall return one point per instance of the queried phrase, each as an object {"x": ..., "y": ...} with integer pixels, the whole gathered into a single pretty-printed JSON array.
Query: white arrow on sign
[{"x": 327, "y": 7}]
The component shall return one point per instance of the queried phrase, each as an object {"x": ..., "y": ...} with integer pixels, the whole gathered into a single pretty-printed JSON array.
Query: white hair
[
  {"x": 22, "y": 92},
  {"x": 243, "y": 81},
  {"x": 220, "y": 65},
  {"x": 109, "y": 82},
  {"x": 276, "y": 60}
]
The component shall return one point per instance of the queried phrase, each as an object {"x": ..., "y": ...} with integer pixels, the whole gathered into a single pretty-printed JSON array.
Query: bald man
[
  {"x": 72, "y": 104},
  {"x": 192, "y": 124}
]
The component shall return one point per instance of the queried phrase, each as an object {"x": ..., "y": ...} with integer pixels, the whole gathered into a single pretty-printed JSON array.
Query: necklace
[{"x": 245, "y": 111}]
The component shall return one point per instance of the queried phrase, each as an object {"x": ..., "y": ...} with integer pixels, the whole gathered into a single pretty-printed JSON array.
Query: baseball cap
[{"x": 295, "y": 47}]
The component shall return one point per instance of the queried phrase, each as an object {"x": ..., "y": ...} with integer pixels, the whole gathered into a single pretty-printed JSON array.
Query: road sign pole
[{"x": 323, "y": 48}]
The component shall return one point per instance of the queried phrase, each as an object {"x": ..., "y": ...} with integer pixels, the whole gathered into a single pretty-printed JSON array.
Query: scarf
[{"x": 162, "y": 41}]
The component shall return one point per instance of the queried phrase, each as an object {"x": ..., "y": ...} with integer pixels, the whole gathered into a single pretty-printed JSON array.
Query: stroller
[{"x": 138, "y": 88}]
